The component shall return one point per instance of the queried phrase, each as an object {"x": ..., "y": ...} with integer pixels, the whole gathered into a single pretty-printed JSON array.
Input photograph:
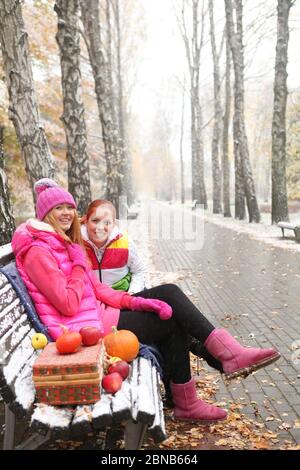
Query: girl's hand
[
  {"x": 77, "y": 255},
  {"x": 163, "y": 309}
]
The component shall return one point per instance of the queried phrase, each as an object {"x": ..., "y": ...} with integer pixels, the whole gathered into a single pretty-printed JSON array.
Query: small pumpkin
[
  {"x": 122, "y": 343},
  {"x": 68, "y": 342}
]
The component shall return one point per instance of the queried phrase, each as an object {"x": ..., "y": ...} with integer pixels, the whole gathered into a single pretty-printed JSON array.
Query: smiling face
[
  {"x": 100, "y": 224},
  {"x": 64, "y": 215}
]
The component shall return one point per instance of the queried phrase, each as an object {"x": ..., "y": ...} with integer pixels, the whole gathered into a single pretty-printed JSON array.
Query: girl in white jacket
[{"x": 112, "y": 253}]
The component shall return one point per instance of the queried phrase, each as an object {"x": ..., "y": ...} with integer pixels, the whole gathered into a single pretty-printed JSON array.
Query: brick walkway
[{"x": 252, "y": 289}]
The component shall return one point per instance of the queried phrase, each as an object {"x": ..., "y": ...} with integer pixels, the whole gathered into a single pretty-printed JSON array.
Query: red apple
[
  {"x": 120, "y": 366},
  {"x": 112, "y": 382},
  {"x": 90, "y": 335}
]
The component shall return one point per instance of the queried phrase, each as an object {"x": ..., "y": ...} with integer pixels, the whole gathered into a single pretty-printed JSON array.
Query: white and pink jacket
[{"x": 63, "y": 294}]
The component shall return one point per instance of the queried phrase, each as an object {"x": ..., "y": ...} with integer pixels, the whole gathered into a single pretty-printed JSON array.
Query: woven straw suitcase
[{"x": 65, "y": 379}]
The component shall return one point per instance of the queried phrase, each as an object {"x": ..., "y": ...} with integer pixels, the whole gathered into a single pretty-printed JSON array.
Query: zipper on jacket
[{"x": 100, "y": 274}]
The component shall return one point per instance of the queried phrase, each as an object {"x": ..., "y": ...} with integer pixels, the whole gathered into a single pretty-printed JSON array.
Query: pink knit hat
[{"x": 49, "y": 195}]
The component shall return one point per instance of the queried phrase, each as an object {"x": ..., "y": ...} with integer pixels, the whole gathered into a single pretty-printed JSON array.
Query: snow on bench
[
  {"x": 137, "y": 406},
  {"x": 289, "y": 226}
]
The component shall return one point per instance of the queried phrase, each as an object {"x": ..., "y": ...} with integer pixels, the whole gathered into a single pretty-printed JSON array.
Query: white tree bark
[
  {"x": 217, "y": 127},
  {"x": 7, "y": 222},
  {"x": 244, "y": 183},
  {"x": 92, "y": 31},
  {"x": 193, "y": 52},
  {"x": 226, "y": 118},
  {"x": 279, "y": 192},
  {"x": 68, "y": 40},
  {"x": 23, "y": 106}
]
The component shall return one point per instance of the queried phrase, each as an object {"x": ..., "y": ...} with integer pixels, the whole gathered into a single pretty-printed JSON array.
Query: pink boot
[
  {"x": 237, "y": 360},
  {"x": 189, "y": 407}
]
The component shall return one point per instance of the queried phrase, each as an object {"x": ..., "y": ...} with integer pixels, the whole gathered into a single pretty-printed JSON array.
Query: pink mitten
[
  {"x": 77, "y": 255},
  {"x": 163, "y": 310}
]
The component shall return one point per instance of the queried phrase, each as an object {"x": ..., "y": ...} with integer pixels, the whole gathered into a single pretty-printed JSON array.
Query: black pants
[{"x": 172, "y": 336}]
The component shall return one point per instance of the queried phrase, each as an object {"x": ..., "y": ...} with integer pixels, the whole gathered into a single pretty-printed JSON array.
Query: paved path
[{"x": 252, "y": 289}]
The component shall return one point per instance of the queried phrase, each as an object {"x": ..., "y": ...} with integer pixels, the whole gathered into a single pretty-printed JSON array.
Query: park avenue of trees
[{"x": 68, "y": 105}]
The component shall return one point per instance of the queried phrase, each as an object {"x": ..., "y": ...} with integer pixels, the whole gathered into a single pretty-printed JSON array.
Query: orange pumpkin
[
  {"x": 68, "y": 342},
  {"x": 122, "y": 343}
]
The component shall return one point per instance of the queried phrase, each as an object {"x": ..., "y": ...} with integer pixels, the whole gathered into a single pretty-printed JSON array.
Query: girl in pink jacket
[{"x": 53, "y": 265}]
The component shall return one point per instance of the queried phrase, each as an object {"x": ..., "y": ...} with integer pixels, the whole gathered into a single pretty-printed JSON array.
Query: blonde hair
[{"x": 73, "y": 235}]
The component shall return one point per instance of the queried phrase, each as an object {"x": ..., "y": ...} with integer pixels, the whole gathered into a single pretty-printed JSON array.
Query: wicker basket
[{"x": 69, "y": 378}]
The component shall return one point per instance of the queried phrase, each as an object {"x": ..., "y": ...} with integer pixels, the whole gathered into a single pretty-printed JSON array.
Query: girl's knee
[{"x": 171, "y": 288}]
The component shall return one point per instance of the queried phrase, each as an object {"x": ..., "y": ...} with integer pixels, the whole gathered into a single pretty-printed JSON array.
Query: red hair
[{"x": 94, "y": 205}]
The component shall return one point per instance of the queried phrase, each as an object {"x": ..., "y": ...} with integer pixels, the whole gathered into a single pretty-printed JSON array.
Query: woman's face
[
  {"x": 100, "y": 225},
  {"x": 64, "y": 215}
]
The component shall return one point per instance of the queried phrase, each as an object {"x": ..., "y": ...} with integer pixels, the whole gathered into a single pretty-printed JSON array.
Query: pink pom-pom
[{"x": 43, "y": 184}]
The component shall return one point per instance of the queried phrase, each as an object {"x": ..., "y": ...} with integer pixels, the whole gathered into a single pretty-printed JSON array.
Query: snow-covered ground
[{"x": 263, "y": 231}]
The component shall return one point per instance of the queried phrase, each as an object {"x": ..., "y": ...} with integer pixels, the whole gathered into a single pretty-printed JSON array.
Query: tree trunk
[
  {"x": 193, "y": 51},
  {"x": 126, "y": 168},
  {"x": 198, "y": 182},
  {"x": 279, "y": 192},
  {"x": 216, "y": 172},
  {"x": 225, "y": 160},
  {"x": 7, "y": 222},
  {"x": 23, "y": 106},
  {"x": 68, "y": 40},
  {"x": 200, "y": 190},
  {"x": 182, "y": 191},
  {"x": 243, "y": 171},
  {"x": 90, "y": 19}
]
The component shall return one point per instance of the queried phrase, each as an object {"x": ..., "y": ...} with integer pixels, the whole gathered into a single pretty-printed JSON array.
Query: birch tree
[
  {"x": 126, "y": 168},
  {"x": 226, "y": 118},
  {"x": 244, "y": 184},
  {"x": 7, "y": 222},
  {"x": 68, "y": 40},
  {"x": 99, "y": 64},
  {"x": 217, "y": 126},
  {"x": 279, "y": 192},
  {"x": 193, "y": 47},
  {"x": 23, "y": 106},
  {"x": 182, "y": 188}
]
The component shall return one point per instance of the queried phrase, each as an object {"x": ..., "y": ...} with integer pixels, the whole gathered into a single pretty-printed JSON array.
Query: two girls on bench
[{"x": 52, "y": 262}]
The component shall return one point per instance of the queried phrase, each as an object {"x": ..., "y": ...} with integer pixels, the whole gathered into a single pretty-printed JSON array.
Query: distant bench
[
  {"x": 194, "y": 204},
  {"x": 137, "y": 406},
  {"x": 132, "y": 212},
  {"x": 288, "y": 226}
]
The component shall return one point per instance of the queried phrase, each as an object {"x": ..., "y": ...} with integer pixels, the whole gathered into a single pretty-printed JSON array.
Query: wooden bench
[
  {"x": 288, "y": 226},
  {"x": 137, "y": 406}
]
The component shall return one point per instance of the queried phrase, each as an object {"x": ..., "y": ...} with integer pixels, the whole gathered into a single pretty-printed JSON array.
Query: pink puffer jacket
[{"x": 62, "y": 294}]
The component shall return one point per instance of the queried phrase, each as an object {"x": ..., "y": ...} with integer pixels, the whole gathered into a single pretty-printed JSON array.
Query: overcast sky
[{"x": 162, "y": 55}]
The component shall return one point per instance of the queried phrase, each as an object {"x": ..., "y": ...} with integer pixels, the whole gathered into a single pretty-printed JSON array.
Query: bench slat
[
  {"x": 157, "y": 430},
  {"x": 102, "y": 411},
  {"x": 18, "y": 359},
  {"x": 287, "y": 225},
  {"x": 9, "y": 315},
  {"x": 52, "y": 418},
  {"x": 145, "y": 404},
  {"x": 121, "y": 403},
  {"x": 82, "y": 421},
  {"x": 24, "y": 386},
  {"x": 10, "y": 340}
]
